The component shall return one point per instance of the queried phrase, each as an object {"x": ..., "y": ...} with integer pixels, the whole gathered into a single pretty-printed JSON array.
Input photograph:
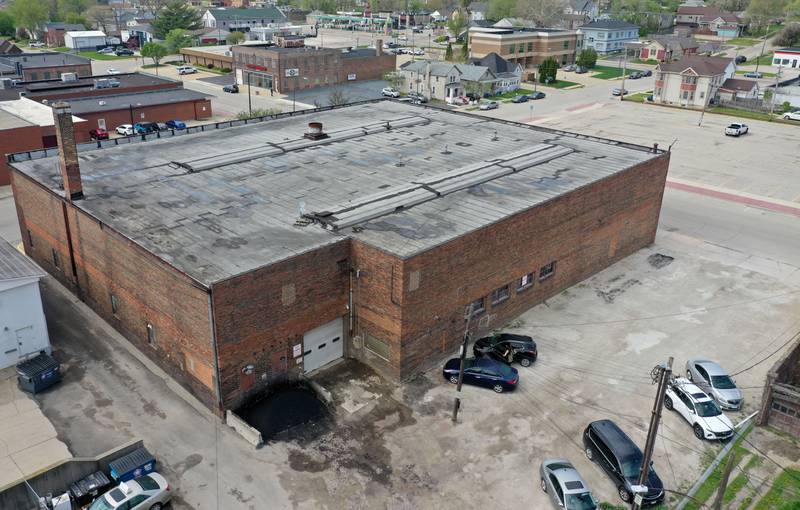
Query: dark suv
[
  {"x": 607, "y": 445},
  {"x": 507, "y": 347}
]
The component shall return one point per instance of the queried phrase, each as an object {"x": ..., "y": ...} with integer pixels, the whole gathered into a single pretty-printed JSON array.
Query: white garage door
[{"x": 323, "y": 345}]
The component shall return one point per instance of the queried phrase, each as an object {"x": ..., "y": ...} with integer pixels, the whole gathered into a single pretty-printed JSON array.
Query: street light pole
[
  {"x": 249, "y": 97},
  {"x": 463, "y": 355}
]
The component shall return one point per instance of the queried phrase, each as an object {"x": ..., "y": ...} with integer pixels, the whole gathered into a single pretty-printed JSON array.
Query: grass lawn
[
  {"x": 743, "y": 41},
  {"x": 766, "y": 75},
  {"x": 102, "y": 56},
  {"x": 214, "y": 70},
  {"x": 607, "y": 72},
  {"x": 744, "y": 114},
  {"x": 784, "y": 492},
  {"x": 151, "y": 66},
  {"x": 62, "y": 49},
  {"x": 650, "y": 61},
  {"x": 510, "y": 95},
  {"x": 638, "y": 98},
  {"x": 763, "y": 60},
  {"x": 560, "y": 84},
  {"x": 708, "y": 490}
]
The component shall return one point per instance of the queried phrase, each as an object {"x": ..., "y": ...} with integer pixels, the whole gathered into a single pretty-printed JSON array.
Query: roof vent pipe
[{"x": 315, "y": 132}]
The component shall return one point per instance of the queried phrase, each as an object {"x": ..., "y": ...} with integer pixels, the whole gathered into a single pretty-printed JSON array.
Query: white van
[{"x": 186, "y": 70}]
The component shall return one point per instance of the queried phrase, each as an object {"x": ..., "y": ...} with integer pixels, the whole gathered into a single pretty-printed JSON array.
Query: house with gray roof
[
  {"x": 446, "y": 81},
  {"x": 242, "y": 20},
  {"x": 608, "y": 35}
]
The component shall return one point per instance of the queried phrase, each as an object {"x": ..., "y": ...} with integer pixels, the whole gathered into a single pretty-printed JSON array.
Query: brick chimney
[
  {"x": 67, "y": 151},
  {"x": 378, "y": 47}
]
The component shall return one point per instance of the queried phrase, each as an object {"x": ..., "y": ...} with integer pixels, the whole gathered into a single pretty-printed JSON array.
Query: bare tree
[
  {"x": 545, "y": 13},
  {"x": 103, "y": 17},
  {"x": 337, "y": 98}
]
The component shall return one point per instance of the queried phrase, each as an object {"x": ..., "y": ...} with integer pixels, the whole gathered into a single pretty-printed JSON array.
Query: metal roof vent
[{"x": 314, "y": 131}]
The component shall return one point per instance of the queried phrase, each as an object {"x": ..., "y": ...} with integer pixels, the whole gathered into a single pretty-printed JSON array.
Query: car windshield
[
  {"x": 707, "y": 408},
  {"x": 101, "y": 503},
  {"x": 722, "y": 382},
  {"x": 582, "y": 501}
]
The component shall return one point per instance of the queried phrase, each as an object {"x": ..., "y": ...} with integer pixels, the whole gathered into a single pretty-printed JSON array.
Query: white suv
[
  {"x": 186, "y": 70},
  {"x": 390, "y": 92},
  {"x": 698, "y": 409}
]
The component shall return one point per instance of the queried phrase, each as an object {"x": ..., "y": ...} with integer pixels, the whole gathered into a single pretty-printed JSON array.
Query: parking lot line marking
[{"x": 733, "y": 197}]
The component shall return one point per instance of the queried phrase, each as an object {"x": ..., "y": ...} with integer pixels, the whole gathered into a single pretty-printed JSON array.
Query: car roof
[
  {"x": 619, "y": 442},
  {"x": 712, "y": 367},
  {"x": 568, "y": 477},
  {"x": 487, "y": 363},
  {"x": 691, "y": 389}
]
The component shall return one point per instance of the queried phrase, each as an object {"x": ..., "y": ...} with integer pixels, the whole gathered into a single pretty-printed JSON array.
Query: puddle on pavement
[{"x": 287, "y": 412}]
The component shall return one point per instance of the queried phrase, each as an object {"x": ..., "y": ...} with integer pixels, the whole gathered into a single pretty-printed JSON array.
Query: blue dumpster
[
  {"x": 38, "y": 373},
  {"x": 133, "y": 465}
]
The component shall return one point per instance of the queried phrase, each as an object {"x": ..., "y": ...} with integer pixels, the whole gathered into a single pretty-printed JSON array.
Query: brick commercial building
[
  {"x": 287, "y": 69},
  {"x": 219, "y": 57},
  {"x": 28, "y": 125},
  {"x": 89, "y": 86},
  {"x": 240, "y": 256},
  {"x": 43, "y": 66},
  {"x": 54, "y": 32},
  {"x": 527, "y": 47}
]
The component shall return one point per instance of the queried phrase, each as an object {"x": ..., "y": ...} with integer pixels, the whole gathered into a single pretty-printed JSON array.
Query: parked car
[
  {"x": 715, "y": 381},
  {"x": 522, "y": 98},
  {"x": 581, "y": 70},
  {"x": 390, "y": 92},
  {"x": 149, "y": 492},
  {"x": 698, "y": 409},
  {"x": 416, "y": 51},
  {"x": 608, "y": 446},
  {"x": 113, "y": 71},
  {"x": 740, "y": 59},
  {"x": 736, "y": 129},
  {"x": 538, "y": 95},
  {"x": 791, "y": 115},
  {"x": 124, "y": 130},
  {"x": 121, "y": 52},
  {"x": 176, "y": 124},
  {"x": 753, "y": 74},
  {"x": 488, "y": 105},
  {"x": 565, "y": 486},
  {"x": 161, "y": 126},
  {"x": 570, "y": 67},
  {"x": 37, "y": 45},
  {"x": 106, "y": 83},
  {"x": 186, "y": 70},
  {"x": 483, "y": 372},
  {"x": 142, "y": 128},
  {"x": 618, "y": 92},
  {"x": 635, "y": 75},
  {"x": 106, "y": 51},
  {"x": 507, "y": 346},
  {"x": 98, "y": 134},
  {"x": 458, "y": 100},
  {"x": 417, "y": 97},
  {"x": 647, "y": 73},
  {"x": 231, "y": 89}
]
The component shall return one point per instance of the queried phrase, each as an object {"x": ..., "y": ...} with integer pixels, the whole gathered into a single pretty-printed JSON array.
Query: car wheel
[
  {"x": 498, "y": 388},
  {"x": 624, "y": 495},
  {"x": 698, "y": 432},
  {"x": 544, "y": 485},
  {"x": 157, "y": 506},
  {"x": 668, "y": 403},
  {"x": 525, "y": 362},
  {"x": 689, "y": 375},
  {"x": 454, "y": 379},
  {"x": 589, "y": 453}
]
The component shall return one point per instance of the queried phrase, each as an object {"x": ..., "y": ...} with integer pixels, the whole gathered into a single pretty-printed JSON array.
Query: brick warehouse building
[{"x": 240, "y": 256}]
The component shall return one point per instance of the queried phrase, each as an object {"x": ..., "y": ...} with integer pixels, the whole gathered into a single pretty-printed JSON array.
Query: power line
[
  {"x": 777, "y": 337},
  {"x": 776, "y": 351}
]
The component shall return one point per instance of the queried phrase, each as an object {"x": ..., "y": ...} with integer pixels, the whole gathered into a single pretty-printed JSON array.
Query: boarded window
[
  {"x": 288, "y": 294},
  {"x": 56, "y": 259},
  {"x": 114, "y": 304},
  {"x": 151, "y": 335},
  {"x": 413, "y": 281},
  {"x": 525, "y": 282},
  {"x": 377, "y": 346}
]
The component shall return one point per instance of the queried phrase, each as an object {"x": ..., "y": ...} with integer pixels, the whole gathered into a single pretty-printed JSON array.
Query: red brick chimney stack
[{"x": 67, "y": 151}]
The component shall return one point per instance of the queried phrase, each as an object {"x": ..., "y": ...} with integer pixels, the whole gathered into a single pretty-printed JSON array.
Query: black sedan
[
  {"x": 507, "y": 347},
  {"x": 519, "y": 99},
  {"x": 231, "y": 89},
  {"x": 483, "y": 372}
]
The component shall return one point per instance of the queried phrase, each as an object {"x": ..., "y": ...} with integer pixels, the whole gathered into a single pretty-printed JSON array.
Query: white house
[
  {"x": 86, "y": 39},
  {"x": 692, "y": 81},
  {"x": 23, "y": 330},
  {"x": 243, "y": 20},
  {"x": 786, "y": 57}
]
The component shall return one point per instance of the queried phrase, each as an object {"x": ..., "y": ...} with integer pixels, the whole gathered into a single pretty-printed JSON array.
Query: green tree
[
  {"x": 395, "y": 79},
  {"x": 587, "y": 58},
  {"x": 789, "y": 36},
  {"x": 448, "y": 53},
  {"x": 457, "y": 23},
  {"x": 176, "y": 14},
  {"x": 6, "y": 24},
  {"x": 761, "y": 12},
  {"x": 29, "y": 14},
  {"x": 155, "y": 51},
  {"x": 176, "y": 39},
  {"x": 76, "y": 19},
  {"x": 258, "y": 112},
  {"x": 235, "y": 38},
  {"x": 465, "y": 49},
  {"x": 66, "y": 7},
  {"x": 793, "y": 9},
  {"x": 547, "y": 70},
  {"x": 416, "y": 5},
  {"x": 544, "y": 13},
  {"x": 499, "y": 9}
]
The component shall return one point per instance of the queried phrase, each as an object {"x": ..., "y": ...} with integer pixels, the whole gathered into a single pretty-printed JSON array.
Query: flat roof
[
  {"x": 44, "y": 87},
  {"x": 403, "y": 178},
  {"x": 44, "y": 59},
  {"x": 137, "y": 99},
  {"x": 26, "y": 112},
  {"x": 14, "y": 264}
]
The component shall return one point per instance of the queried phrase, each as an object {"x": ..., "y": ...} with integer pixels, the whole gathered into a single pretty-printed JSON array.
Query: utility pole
[
  {"x": 662, "y": 373},
  {"x": 775, "y": 92},
  {"x": 249, "y": 97},
  {"x": 464, "y": 342},
  {"x": 723, "y": 484},
  {"x": 624, "y": 67}
]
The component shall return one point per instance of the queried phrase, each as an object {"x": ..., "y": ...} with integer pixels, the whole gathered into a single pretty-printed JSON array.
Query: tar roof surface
[
  {"x": 122, "y": 100},
  {"x": 225, "y": 219}
]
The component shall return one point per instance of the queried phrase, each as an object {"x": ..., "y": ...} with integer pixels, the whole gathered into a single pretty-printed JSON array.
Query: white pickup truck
[{"x": 736, "y": 129}]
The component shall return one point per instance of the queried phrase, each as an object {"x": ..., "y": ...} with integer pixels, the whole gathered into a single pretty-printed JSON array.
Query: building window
[
  {"x": 566, "y": 45},
  {"x": 56, "y": 259},
  {"x": 525, "y": 282},
  {"x": 114, "y": 304},
  {"x": 151, "y": 335},
  {"x": 478, "y": 306},
  {"x": 530, "y": 46},
  {"x": 547, "y": 271},
  {"x": 30, "y": 239},
  {"x": 500, "y": 295},
  {"x": 377, "y": 346}
]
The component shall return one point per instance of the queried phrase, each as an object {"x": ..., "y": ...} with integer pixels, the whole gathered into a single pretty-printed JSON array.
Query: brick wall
[
  {"x": 146, "y": 290},
  {"x": 30, "y": 138},
  {"x": 47, "y": 73},
  {"x": 186, "y": 110},
  {"x": 368, "y": 68},
  {"x": 260, "y": 315},
  {"x": 583, "y": 232}
]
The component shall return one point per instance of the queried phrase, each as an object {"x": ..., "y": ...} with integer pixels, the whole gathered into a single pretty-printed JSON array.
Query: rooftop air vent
[{"x": 314, "y": 131}]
